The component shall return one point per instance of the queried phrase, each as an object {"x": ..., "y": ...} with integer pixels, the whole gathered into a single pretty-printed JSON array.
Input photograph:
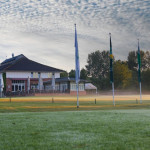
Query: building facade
[
  {"x": 22, "y": 74},
  {"x": 66, "y": 85}
]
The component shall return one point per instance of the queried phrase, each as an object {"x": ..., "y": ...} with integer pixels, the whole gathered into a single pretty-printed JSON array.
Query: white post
[
  {"x": 140, "y": 94},
  {"x": 39, "y": 75},
  {"x": 77, "y": 94},
  {"x": 28, "y": 84},
  {"x": 1, "y": 91},
  {"x": 96, "y": 91},
  {"x": 53, "y": 82},
  {"x": 113, "y": 93},
  {"x": 1, "y": 85}
]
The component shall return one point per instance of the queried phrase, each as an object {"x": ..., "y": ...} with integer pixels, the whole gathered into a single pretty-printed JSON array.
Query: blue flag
[
  {"x": 77, "y": 66},
  {"x": 111, "y": 62}
]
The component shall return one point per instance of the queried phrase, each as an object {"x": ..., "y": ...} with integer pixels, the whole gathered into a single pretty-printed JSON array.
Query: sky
[{"x": 43, "y": 30}]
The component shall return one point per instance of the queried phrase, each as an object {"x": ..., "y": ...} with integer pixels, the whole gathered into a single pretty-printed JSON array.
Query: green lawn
[
  {"x": 127, "y": 129},
  {"x": 43, "y": 106}
]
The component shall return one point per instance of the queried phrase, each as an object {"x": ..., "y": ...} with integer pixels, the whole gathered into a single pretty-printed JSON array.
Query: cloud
[{"x": 43, "y": 30}]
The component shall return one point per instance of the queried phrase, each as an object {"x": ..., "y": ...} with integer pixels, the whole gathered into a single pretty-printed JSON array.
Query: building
[
  {"x": 19, "y": 74},
  {"x": 66, "y": 85},
  {"x": 90, "y": 88}
]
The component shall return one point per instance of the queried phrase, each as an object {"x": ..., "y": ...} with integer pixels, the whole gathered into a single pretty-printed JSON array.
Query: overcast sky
[{"x": 43, "y": 30}]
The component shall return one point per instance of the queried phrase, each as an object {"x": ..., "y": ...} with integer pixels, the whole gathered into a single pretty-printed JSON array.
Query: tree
[
  {"x": 64, "y": 74},
  {"x": 98, "y": 64},
  {"x": 98, "y": 68},
  {"x": 72, "y": 74},
  {"x": 147, "y": 60},
  {"x": 132, "y": 60},
  {"x": 146, "y": 79},
  {"x": 122, "y": 75},
  {"x": 83, "y": 74},
  {"x": 133, "y": 65}
]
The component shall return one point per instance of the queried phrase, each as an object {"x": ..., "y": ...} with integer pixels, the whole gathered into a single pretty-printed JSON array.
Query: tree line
[{"x": 125, "y": 72}]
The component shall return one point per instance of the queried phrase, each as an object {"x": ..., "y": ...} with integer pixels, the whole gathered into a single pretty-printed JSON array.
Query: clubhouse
[
  {"x": 19, "y": 74},
  {"x": 22, "y": 74}
]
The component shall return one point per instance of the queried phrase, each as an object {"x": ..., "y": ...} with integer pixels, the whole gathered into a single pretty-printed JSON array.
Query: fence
[{"x": 33, "y": 92}]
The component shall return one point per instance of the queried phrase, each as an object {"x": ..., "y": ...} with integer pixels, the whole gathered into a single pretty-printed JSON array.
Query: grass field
[
  {"x": 37, "y": 123},
  {"x": 58, "y": 103},
  {"x": 93, "y": 130}
]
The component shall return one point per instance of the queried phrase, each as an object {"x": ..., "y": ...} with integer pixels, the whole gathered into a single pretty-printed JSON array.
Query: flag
[
  {"x": 139, "y": 63},
  {"x": 111, "y": 62},
  {"x": 77, "y": 67}
]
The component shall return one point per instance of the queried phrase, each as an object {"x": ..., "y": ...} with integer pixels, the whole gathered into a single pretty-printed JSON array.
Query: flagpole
[
  {"x": 77, "y": 67},
  {"x": 139, "y": 71},
  {"x": 77, "y": 95},
  {"x": 140, "y": 94},
  {"x": 111, "y": 70},
  {"x": 113, "y": 93}
]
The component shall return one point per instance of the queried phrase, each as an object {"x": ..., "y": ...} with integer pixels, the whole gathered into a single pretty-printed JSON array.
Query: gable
[{"x": 25, "y": 64}]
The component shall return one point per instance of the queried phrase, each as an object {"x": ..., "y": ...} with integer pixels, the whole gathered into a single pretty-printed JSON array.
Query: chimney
[{"x": 12, "y": 55}]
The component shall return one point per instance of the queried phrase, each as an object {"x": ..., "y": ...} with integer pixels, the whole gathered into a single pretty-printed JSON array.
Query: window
[
  {"x": 39, "y": 74},
  {"x": 81, "y": 87},
  {"x": 74, "y": 88},
  {"x": 31, "y": 74},
  {"x": 57, "y": 87},
  {"x": 49, "y": 75},
  {"x": 35, "y": 75},
  {"x": 13, "y": 88},
  {"x": 18, "y": 85},
  {"x": 34, "y": 86},
  {"x": 63, "y": 87}
]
